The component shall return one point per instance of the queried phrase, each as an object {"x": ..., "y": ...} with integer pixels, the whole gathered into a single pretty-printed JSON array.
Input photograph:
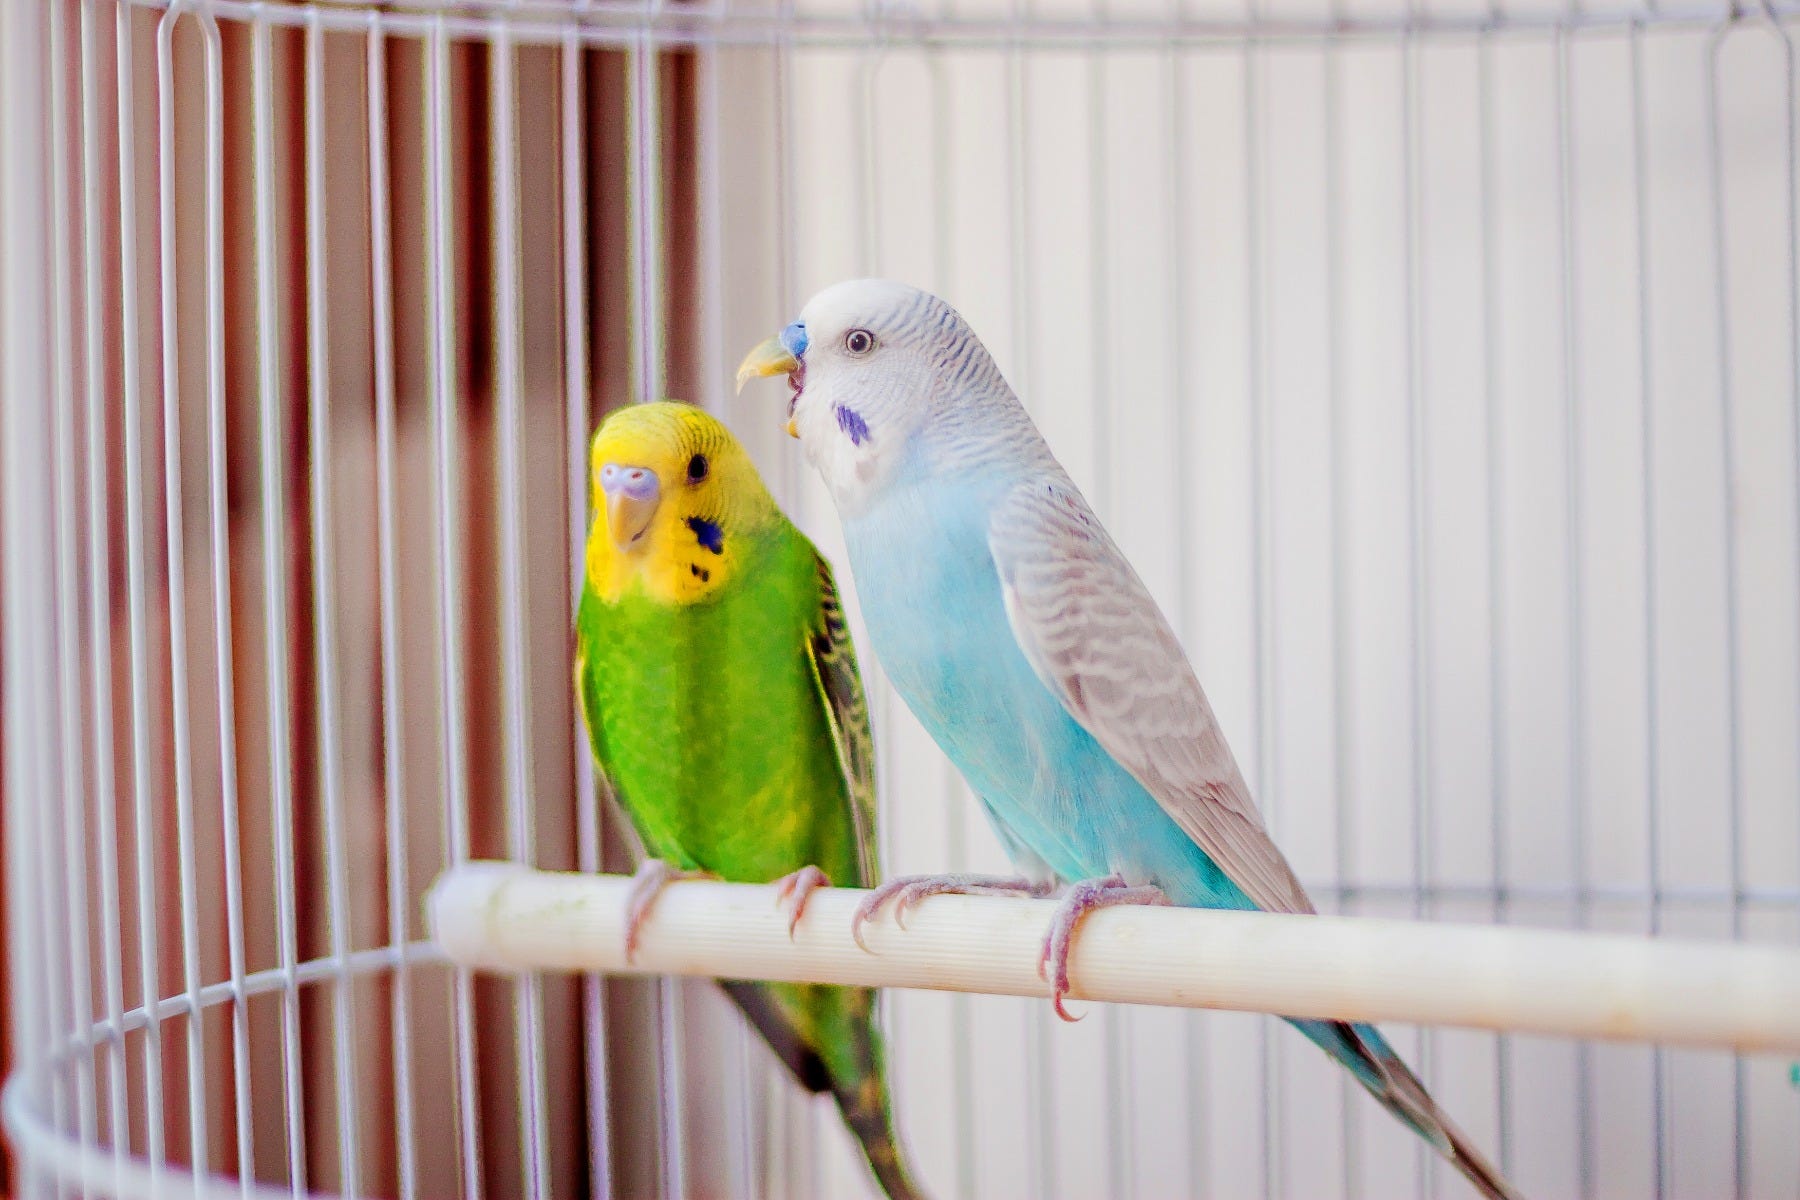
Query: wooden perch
[{"x": 503, "y": 917}]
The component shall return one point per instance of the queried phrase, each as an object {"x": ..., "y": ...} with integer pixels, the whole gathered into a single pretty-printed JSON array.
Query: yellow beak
[
  {"x": 769, "y": 358},
  {"x": 628, "y": 516}
]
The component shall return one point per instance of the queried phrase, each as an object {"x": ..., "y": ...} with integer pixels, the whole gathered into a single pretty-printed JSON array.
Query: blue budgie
[{"x": 1020, "y": 637}]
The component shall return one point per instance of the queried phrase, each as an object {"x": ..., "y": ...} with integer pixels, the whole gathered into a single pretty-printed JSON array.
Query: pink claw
[
  {"x": 1082, "y": 899},
  {"x": 914, "y": 892},
  {"x": 871, "y": 904},
  {"x": 913, "y": 888},
  {"x": 791, "y": 892},
  {"x": 647, "y": 882}
]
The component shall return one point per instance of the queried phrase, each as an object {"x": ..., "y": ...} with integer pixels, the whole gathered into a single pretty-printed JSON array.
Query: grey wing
[
  {"x": 1094, "y": 635},
  {"x": 847, "y": 710}
]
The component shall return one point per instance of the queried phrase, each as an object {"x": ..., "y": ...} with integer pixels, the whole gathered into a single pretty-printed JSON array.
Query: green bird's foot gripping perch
[
  {"x": 647, "y": 882},
  {"x": 907, "y": 890},
  {"x": 792, "y": 890},
  {"x": 1082, "y": 899}
]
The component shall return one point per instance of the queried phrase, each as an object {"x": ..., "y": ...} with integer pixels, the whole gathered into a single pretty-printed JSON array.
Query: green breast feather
[{"x": 733, "y": 731}]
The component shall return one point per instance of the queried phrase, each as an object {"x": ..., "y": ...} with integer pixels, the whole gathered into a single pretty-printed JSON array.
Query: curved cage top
[{"x": 1125, "y": 25}]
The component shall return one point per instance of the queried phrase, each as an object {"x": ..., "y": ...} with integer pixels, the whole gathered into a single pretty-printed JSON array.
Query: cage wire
[{"x": 1435, "y": 362}]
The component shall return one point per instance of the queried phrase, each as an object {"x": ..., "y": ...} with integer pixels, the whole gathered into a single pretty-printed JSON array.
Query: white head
[{"x": 883, "y": 375}]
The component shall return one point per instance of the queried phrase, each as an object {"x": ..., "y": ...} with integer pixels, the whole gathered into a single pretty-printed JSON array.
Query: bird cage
[{"x": 1434, "y": 361}]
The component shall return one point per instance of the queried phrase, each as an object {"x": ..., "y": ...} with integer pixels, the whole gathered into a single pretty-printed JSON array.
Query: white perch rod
[{"x": 503, "y": 917}]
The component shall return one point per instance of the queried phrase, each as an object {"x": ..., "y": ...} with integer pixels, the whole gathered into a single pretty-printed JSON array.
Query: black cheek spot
[{"x": 708, "y": 534}]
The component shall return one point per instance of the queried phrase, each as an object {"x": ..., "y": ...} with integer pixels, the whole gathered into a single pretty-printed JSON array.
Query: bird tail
[
  {"x": 869, "y": 1112},
  {"x": 1392, "y": 1082},
  {"x": 858, "y": 1082},
  {"x": 1407, "y": 1099},
  {"x": 788, "y": 1044}
]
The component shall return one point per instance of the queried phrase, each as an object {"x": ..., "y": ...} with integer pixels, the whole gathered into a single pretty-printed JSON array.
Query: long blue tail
[{"x": 1366, "y": 1054}]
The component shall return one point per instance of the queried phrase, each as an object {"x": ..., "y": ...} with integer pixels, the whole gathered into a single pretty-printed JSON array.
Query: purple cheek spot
[{"x": 851, "y": 422}]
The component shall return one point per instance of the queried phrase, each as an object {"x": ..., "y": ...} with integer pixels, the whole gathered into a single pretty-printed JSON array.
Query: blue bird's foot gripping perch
[{"x": 1083, "y": 898}]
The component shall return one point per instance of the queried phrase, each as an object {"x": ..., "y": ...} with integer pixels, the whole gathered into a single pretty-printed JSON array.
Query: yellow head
[{"x": 675, "y": 499}]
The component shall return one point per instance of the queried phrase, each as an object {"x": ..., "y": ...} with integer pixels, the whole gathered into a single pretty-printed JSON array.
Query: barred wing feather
[{"x": 1094, "y": 635}]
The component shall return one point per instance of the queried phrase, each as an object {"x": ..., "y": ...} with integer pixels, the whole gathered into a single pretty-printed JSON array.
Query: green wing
[
  {"x": 587, "y": 619},
  {"x": 585, "y": 704},
  {"x": 847, "y": 711}
]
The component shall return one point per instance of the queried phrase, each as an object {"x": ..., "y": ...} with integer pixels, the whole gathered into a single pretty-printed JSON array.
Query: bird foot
[
  {"x": 647, "y": 882},
  {"x": 907, "y": 890},
  {"x": 1083, "y": 898},
  {"x": 791, "y": 892}
]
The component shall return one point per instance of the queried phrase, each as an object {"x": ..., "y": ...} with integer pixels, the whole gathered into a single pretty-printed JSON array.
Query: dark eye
[
  {"x": 859, "y": 341},
  {"x": 697, "y": 467}
]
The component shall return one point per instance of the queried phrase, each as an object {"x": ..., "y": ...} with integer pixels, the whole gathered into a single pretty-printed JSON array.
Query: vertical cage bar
[
  {"x": 1791, "y": 175},
  {"x": 1343, "y": 730},
  {"x": 865, "y": 194},
  {"x": 1019, "y": 212},
  {"x": 645, "y": 223},
  {"x": 515, "y": 744},
  {"x": 176, "y": 557},
  {"x": 274, "y": 536},
  {"x": 787, "y": 217},
  {"x": 1187, "y": 605},
  {"x": 441, "y": 307},
  {"x": 646, "y": 214},
  {"x": 219, "y": 517},
  {"x": 1495, "y": 464},
  {"x": 1418, "y": 557},
  {"x": 28, "y": 560},
  {"x": 65, "y": 982},
  {"x": 1262, "y": 586},
  {"x": 143, "y": 786},
  {"x": 1652, "y": 706},
  {"x": 1574, "y": 605},
  {"x": 39, "y": 923},
  {"x": 575, "y": 383},
  {"x": 775, "y": 1098},
  {"x": 1040, "y": 1079},
  {"x": 1728, "y": 537},
  {"x": 710, "y": 204},
  {"x": 865, "y": 104},
  {"x": 710, "y": 212},
  {"x": 74, "y": 933},
  {"x": 866, "y": 204},
  {"x": 393, "y": 719},
  {"x": 99, "y": 632},
  {"x": 951, "y": 788},
  {"x": 1115, "y": 1020},
  {"x": 324, "y": 600}
]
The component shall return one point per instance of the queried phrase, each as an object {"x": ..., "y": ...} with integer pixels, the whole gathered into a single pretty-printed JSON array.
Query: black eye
[
  {"x": 859, "y": 341},
  {"x": 697, "y": 467}
]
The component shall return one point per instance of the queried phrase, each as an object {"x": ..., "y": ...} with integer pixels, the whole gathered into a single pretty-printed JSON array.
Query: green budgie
[{"x": 720, "y": 690}]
